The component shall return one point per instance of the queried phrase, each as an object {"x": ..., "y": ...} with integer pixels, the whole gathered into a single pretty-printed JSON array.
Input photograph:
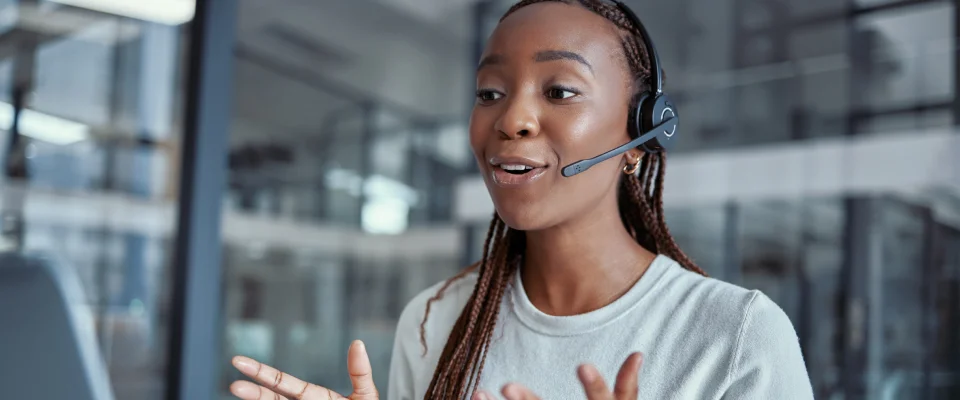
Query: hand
[
  {"x": 596, "y": 388},
  {"x": 276, "y": 385}
]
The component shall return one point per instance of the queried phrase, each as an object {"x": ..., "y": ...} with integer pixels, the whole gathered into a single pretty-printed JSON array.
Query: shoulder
[
  {"x": 436, "y": 317},
  {"x": 748, "y": 312},
  {"x": 767, "y": 361},
  {"x": 765, "y": 335},
  {"x": 719, "y": 304},
  {"x": 422, "y": 331},
  {"x": 763, "y": 359},
  {"x": 745, "y": 317}
]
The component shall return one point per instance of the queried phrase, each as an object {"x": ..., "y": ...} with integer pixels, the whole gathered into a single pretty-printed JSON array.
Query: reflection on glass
[
  {"x": 342, "y": 189},
  {"x": 359, "y": 217},
  {"x": 794, "y": 252},
  {"x": 701, "y": 232},
  {"x": 89, "y": 177},
  {"x": 906, "y": 56},
  {"x": 811, "y": 69}
]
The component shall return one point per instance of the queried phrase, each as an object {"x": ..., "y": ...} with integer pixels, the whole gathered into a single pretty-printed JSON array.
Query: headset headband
[{"x": 656, "y": 73}]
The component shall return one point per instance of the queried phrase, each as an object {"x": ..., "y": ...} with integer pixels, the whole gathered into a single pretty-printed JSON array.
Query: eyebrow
[
  {"x": 554, "y": 55},
  {"x": 490, "y": 60},
  {"x": 542, "y": 56}
]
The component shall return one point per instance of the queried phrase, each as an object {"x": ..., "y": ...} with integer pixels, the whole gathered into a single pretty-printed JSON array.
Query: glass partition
[
  {"x": 772, "y": 72},
  {"x": 90, "y": 122},
  {"x": 340, "y": 204}
]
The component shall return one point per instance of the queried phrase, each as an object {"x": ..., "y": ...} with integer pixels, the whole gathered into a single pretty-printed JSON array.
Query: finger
[
  {"x": 593, "y": 383},
  {"x": 515, "y": 391},
  {"x": 251, "y": 391},
  {"x": 482, "y": 395},
  {"x": 280, "y": 382},
  {"x": 626, "y": 387},
  {"x": 361, "y": 374}
]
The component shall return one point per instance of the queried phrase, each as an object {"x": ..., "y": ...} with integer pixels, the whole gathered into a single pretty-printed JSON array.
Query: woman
[{"x": 580, "y": 281}]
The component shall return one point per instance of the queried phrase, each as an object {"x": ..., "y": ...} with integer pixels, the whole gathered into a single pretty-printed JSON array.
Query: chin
[
  {"x": 523, "y": 216},
  {"x": 522, "y": 207}
]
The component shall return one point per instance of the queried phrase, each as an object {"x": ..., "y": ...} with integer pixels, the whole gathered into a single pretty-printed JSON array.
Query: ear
[{"x": 632, "y": 156}]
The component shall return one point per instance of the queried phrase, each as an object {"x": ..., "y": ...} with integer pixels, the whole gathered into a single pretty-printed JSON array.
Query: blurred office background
[{"x": 278, "y": 178}]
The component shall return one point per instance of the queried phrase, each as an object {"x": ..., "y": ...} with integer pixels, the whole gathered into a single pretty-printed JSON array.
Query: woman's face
[{"x": 552, "y": 90}]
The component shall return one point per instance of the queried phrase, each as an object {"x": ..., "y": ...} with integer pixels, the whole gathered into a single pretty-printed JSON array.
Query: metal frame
[
  {"x": 481, "y": 14},
  {"x": 13, "y": 163},
  {"x": 932, "y": 260},
  {"x": 956, "y": 68},
  {"x": 852, "y": 317},
  {"x": 196, "y": 323},
  {"x": 852, "y": 11}
]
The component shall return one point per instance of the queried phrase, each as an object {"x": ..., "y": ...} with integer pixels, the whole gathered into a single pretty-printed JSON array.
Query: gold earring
[{"x": 631, "y": 169}]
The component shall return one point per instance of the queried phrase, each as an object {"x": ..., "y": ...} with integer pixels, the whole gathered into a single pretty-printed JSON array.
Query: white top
[{"x": 701, "y": 339}]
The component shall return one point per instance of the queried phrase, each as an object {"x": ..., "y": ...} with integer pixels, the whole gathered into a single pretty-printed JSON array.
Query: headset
[{"x": 652, "y": 117}]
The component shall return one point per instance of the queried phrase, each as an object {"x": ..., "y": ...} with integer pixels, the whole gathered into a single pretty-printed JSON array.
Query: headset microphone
[
  {"x": 582, "y": 165},
  {"x": 652, "y": 120}
]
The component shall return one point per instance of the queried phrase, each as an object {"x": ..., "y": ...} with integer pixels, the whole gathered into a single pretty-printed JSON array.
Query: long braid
[
  {"x": 485, "y": 310},
  {"x": 512, "y": 263},
  {"x": 464, "y": 355},
  {"x": 459, "y": 328},
  {"x": 483, "y": 285},
  {"x": 671, "y": 246},
  {"x": 638, "y": 188},
  {"x": 466, "y": 339},
  {"x": 479, "y": 296},
  {"x": 439, "y": 295}
]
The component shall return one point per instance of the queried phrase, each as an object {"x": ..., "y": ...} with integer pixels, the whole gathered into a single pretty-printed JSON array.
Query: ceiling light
[
  {"x": 45, "y": 127},
  {"x": 167, "y": 12}
]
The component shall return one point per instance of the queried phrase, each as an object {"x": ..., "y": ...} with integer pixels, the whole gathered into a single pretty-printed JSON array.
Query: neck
[{"x": 582, "y": 265}]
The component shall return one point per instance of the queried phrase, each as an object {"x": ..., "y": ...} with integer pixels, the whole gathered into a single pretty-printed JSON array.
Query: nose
[{"x": 519, "y": 119}]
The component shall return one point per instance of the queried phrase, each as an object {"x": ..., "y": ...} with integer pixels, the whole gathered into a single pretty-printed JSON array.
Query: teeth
[{"x": 515, "y": 167}]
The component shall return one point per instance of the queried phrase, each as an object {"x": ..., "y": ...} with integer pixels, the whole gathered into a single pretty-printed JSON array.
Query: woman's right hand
[{"x": 275, "y": 385}]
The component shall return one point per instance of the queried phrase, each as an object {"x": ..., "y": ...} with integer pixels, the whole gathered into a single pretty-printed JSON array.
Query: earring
[{"x": 631, "y": 169}]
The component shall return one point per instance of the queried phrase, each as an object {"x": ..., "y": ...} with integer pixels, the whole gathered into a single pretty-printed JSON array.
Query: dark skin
[
  {"x": 553, "y": 88},
  {"x": 557, "y": 112}
]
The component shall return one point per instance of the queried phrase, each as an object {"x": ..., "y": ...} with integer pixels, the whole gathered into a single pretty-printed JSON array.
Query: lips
[{"x": 515, "y": 171}]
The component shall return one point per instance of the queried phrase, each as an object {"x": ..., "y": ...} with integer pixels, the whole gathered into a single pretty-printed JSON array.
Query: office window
[
  {"x": 907, "y": 56},
  {"x": 91, "y": 178},
  {"x": 370, "y": 104}
]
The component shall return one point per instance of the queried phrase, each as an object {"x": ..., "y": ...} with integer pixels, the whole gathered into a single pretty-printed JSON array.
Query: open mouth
[
  {"x": 516, "y": 169},
  {"x": 513, "y": 171}
]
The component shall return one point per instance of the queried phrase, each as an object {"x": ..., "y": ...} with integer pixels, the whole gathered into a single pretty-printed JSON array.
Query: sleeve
[
  {"x": 767, "y": 362},
  {"x": 406, "y": 343}
]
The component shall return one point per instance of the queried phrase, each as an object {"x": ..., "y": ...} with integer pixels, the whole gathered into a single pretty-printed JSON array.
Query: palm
[{"x": 275, "y": 385}]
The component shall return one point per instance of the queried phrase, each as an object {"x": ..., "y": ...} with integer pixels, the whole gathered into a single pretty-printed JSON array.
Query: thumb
[{"x": 361, "y": 374}]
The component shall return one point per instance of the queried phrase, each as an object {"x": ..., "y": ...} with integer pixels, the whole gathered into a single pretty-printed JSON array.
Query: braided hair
[{"x": 640, "y": 200}]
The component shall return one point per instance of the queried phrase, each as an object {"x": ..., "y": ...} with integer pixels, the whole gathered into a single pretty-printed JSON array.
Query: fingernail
[
  {"x": 245, "y": 365},
  {"x": 243, "y": 390},
  {"x": 587, "y": 373},
  {"x": 511, "y": 390},
  {"x": 360, "y": 345}
]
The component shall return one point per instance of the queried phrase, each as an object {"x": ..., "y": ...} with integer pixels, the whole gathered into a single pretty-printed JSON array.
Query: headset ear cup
[
  {"x": 635, "y": 117},
  {"x": 647, "y": 122},
  {"x": 660, "y": 109}
]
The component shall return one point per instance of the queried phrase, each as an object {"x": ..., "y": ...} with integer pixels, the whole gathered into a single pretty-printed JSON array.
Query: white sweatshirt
[{"x": 701, "y": 339}]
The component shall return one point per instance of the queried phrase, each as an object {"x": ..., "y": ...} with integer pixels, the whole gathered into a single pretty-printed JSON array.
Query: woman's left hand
[{"x": 626, "y": 387}]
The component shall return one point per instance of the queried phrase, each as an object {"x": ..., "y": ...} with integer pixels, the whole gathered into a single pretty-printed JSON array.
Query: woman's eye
[
  {"x": 488, "y": 95},
  {"x": 560, "y": 93}
]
